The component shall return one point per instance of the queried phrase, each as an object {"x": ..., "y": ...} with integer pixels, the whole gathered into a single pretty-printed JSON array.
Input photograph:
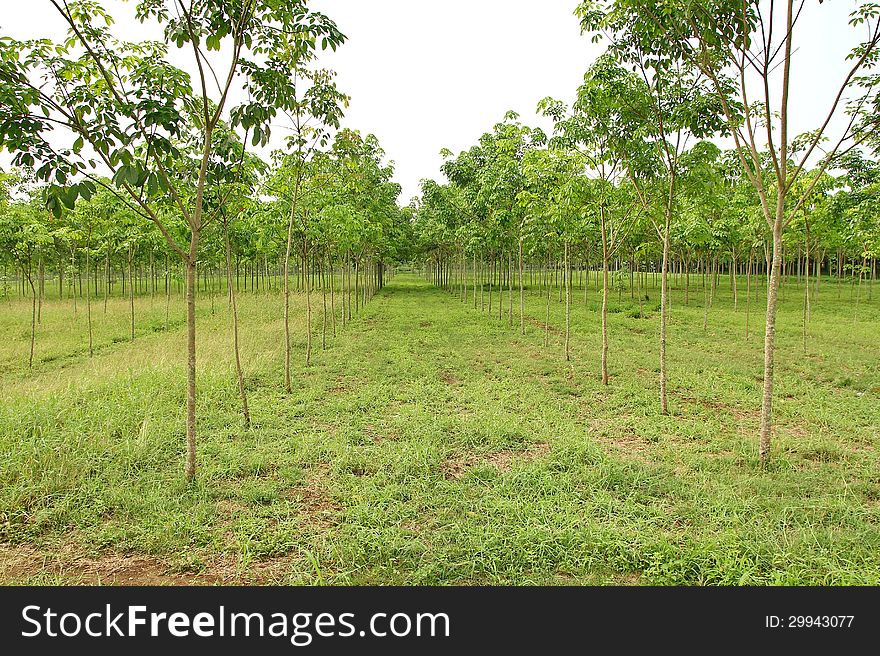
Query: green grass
[{"x": 433, "y": 444}]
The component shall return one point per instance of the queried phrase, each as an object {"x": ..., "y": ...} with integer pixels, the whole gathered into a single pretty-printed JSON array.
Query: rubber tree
[
  {"x": 675, "y": 105},
  {"x": 23, "y": 233},
  {"x": 603, "y": 126},
  {"x": 490, "y": 176},
  {"x": 314, "y": 107},
  {"x": 745, "y": 49},
  {"x": 363, "y": 184},
  {"x": 235, "y": 175},
  {"x": 133, "y": 108},
  {"x": 556, "y": 200}
]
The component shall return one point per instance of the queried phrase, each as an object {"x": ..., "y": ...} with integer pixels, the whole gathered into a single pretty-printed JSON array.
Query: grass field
[{"x": 433, "y": 444}]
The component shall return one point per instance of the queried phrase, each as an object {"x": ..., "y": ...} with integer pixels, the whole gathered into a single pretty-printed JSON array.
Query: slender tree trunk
[
  {"x": 491, "y": 272},
  {"x": 88, "y": 291},
  {"x": 770, "y": 343},
  {"x": 308, "y": 284},
  {"x": 348, "y": 290},
  {"x": 107, "y": 273},
  {"x": 706, "y": 296},
  {"x": 235, "y": 345},
  {"x": 33, "y": 313},
  {"x": 806, "y": 317},
  {"x": 167, "y": 292},
  {"x": 482, "y": 284},
  {"x": 72, "y": 280},
  {"x": 663, "y": 310},
  {"x": 509, "y": 289},
  {"x": 332, "y": 293},
  {"x": 40, "y": 291},
  {"x": 474, "y": 268},
  {"x": 547, "y": 321},
  {"x": 714, "y": 278},
  {"x": 639, "y": 285},
  {"x": 733, "y": 278},
  {"x": 605, "y": 256},
  {"x": 191, "y": 359},
  {"x": 749, "y": 291},
  {"x": 566, "y": 280},
  {"x": 323, "y": 277},
  {"x": 131, "y": 288},
  {"x": 287, "y": 385},
  {"x": 500, "y": 269},
  {"x": 522, "y": 311},
  {"x": 586, "y": 279},
  {"x": 687, "y": 279}
]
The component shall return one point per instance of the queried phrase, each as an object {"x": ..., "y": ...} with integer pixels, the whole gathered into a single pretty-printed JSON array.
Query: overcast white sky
[{"x": 429, "y": 75}]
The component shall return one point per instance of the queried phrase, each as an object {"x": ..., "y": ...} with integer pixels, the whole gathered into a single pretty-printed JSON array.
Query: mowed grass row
[{"x": 434, "y": 444}]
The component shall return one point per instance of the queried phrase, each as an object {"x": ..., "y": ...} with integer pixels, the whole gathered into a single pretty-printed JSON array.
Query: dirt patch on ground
[
  {"x": 228, "y": 507},
  {"x": 378, "y": 436},
  {"x": 456, "y": 467},
  {"x": 537, "y": 323},
  {"x": 628, "y": 443},
  {"x": 340, "y": 386},
  {"x": 449, "y": 378},
  {"x": 739, "y": 413},
  {"x": 319, "y": 510},
  {"x": 22, "y": 563},
  {"x": 622, "y": 439},
  {"x": 19, "y": 562},
  {"x": 316, "y": 505}
]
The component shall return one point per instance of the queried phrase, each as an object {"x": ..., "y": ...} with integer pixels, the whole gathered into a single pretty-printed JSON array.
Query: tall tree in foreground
[
  {"x": 741, "y": 46},
  {"x": 122, "y": 106}
]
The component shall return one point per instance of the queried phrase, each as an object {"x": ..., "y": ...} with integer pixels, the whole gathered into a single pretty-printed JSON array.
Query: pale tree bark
[
  {"x": 308, "y": 281},
  {"x": 33, "y": 312},
  {"x": 491, "y": 272},
  {"x": 687, "y": 279},
  {"x": 131, "y": 288},
  {"x": 475, "y": 279},
  {"x": 107, "y": 281},
  {"x": 566, "y": 280},
  {"x": 322, "y": 272},
  {"x": 770, "y": 344},
  {"x": 733, "y": 278},
  {"x": 605, "y": 256},
  {"x": 191, "y": 359},
  {"x": 167, "y": 291},
  {"x": 499, "y": 272},
  {"x": 664, "y": 409},
  {"x": 482, "y": 284},
  {"x": 40, "y": 290},
  {"x": 509, "y": 289},
  {"x": 639, "y": 289},
  {"x": 357, "y": 284},
  {"x": 707, "y": 299},
  {"x": 287, "y": 386},
  {"x": 332, "y": 275},
  {"x": 547, "y": 320},
  {"x": 88, "y": 292},
  {"x": 235, "y": 343},
  {"x": 522, "y": 311},
  {"x": 749, "y": 291},
  {"x": 348, "y": 285}
]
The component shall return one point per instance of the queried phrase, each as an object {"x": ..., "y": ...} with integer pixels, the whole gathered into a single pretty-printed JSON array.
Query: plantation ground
[{"x": 431, "y": 443}]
